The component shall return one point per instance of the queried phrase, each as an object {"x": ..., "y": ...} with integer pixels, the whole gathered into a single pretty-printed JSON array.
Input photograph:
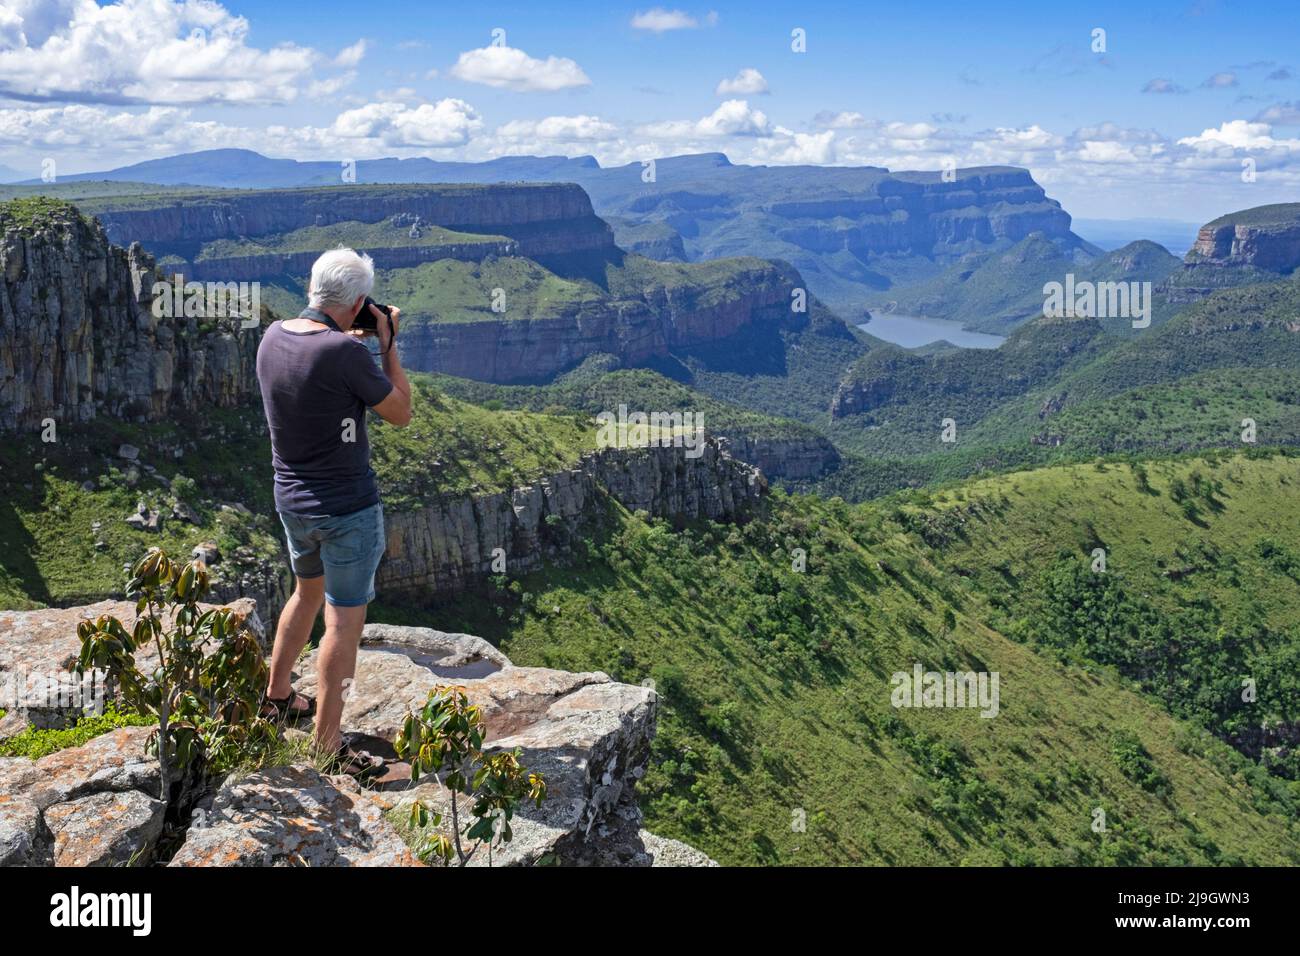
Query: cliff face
[
  {"x": 528, "y": 350},
  {"x": 543, "y": 218},
  {"x": 1254, "y": 245},
  {"x": 449, "y": 545},
  {"x": 78, "y": 338},
  {"x": 1270, "y": 240},
  {"x": 912, "y": 215},
  {"x": 793, "y": 458}
]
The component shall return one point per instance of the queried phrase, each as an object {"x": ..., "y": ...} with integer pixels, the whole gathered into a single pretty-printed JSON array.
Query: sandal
[
  {"x": 283, "y": 711},
  {"x": 358, "y": 764}
]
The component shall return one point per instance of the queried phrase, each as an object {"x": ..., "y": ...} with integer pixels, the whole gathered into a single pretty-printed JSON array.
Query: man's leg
[
  {"x": 293, "y": 631},
  {"x": 336, "y": 662}
]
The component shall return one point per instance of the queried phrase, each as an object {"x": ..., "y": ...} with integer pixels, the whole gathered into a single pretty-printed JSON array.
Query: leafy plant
[
  {"x": 446, "y": 734},
  {"x": 206, "y": 684}
]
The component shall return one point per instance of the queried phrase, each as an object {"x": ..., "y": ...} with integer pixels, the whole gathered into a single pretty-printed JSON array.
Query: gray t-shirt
[{"x": 316, "y": 387}]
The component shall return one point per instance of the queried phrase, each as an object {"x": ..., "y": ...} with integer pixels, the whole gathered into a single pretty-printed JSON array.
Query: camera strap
[{"x": 316, "y": 315}]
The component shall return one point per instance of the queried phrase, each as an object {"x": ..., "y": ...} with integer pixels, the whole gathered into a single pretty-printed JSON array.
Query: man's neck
[{"x": 342, "y": 317}]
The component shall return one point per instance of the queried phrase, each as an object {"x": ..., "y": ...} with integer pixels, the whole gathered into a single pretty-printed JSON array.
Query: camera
[{"x": 366, "y": 320}]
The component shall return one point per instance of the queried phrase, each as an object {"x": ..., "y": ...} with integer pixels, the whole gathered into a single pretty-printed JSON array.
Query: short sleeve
[{"x": 362, "y": 376}]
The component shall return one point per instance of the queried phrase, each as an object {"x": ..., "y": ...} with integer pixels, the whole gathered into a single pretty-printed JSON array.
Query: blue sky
[{"x": 1159, "y": 124}]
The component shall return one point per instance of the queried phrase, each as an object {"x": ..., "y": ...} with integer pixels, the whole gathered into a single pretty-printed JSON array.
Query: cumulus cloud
[
  {"x": 352, "y": 55},
  {"x": 732, "y": 118},
  {"x": 142, "y": 51},
  {"x": 558, "y": 129},
  {"x": 797, "y": 149},
  {"x": 1160, "y": 85},
  {"x": 659, "y": 20},
  {"x": 449, "y": 122},
  {"x": 1238, "y": 134},
  {"x": 748, "y": 82},
  {"x": 845, "y": 119},
  {"x": 510, "y": 68}
]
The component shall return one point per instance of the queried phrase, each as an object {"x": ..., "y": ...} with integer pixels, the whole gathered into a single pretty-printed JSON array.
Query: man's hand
[
  {"x": 388, "y": 326},
  {"x": 396, "y": 408}
]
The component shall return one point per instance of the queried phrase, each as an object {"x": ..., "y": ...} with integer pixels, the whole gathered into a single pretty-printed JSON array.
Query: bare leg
[
  {"x": 336, "y": 662},
  {"x": 293, "y": 631}
]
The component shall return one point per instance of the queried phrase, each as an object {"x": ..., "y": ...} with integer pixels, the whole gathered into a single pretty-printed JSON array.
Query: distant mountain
[
  {"x": 1245, "y": 247},
  {"x": 245, "y": 169},
  {"x": 851, "y": 231},
  {"x": 1174, "y": 235},
  {"x": 10, "y": 175}
]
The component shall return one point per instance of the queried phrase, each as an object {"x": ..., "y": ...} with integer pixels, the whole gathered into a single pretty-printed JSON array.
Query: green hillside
[
  {"x": 775, "y": 684},
  {"x": 998, "y": 290},
  {"x": 63, "y": 516},
  {"x": 1059, "y": 390}
]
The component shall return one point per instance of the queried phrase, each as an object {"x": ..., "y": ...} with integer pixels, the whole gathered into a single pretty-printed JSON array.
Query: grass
[
  {"x": 34, "y": 743},
  {"x": 64, "y": 543},
  {"x": 775, "y": 687},
  {"x": 30, "y": 213},
  {"x": 385, "y": 234}
]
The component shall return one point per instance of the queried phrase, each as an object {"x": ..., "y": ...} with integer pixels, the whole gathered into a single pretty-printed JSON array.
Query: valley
[{"x": 826, "y": 538}]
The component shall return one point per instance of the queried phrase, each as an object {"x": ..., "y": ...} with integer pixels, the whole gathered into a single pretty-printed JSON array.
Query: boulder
[
  {"x": 39, "y": 649},
  {"x": 104, "y": 829},
  {"x": 31, "y": 793},
  {"x": 292, "y": 816},
  {"x": 588, "y": 734}
]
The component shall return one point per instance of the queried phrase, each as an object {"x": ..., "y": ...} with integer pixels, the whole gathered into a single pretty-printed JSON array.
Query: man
[{"x": 317, "y": 379}]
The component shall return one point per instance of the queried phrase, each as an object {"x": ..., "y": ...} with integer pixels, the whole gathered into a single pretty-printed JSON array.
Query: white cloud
[
  {"x": 1233, "y": 134},
  {"x": 558, "y": 129},
  {"x": 447, "y": 123},
  {"x": 748, "y": 82},
  {"x": 659, "y": 20},
  {"x": 513, "y": 69},
  {"x": 847, "y": 119},
  {"x": 797, "y": 149},
  {"x": 350, "y": 56},
  {"x": 143, "y": 51},
  {"x": 732, "y": 118},
  {"x": 321, "y": 89}
]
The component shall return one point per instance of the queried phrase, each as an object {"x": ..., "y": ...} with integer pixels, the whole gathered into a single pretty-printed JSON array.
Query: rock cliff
[
  {"x": 78, "y": 337},
  {"x": 1252, "y": 245},
  {"x": 449, "y": 545},
  {"x": 543, "y": 218},
  {"x": 659, "y": 320},
  {"x": 97, "y": 804}
]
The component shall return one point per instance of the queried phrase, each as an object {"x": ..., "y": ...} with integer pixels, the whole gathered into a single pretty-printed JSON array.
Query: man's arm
[{"x": 396, "y": 407}]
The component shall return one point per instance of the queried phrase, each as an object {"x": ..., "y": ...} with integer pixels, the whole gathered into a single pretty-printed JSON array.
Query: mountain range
[{"x": 851, "y": 231}]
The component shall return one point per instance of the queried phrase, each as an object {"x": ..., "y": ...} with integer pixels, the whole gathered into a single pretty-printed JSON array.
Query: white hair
[{"x": 340, "y": 277}]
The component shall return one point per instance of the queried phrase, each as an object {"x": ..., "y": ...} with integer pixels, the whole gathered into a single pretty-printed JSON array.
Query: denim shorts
[{"x": 346, "y": 549}]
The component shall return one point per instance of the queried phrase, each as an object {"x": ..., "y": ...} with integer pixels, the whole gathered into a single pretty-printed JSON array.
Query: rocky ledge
[{"x": 97, "y": 804}]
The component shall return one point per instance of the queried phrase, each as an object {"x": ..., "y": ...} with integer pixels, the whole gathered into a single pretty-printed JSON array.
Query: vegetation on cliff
[{"x": 775, "y": 682}]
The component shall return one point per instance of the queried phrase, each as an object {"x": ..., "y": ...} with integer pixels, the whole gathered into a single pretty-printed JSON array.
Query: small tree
[
  {"x": 205, "y": 690},
  {"x": 447, "y": 734}
]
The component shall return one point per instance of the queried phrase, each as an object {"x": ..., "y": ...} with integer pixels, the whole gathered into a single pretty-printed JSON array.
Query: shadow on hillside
[{"x": 18, "y": 547}]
